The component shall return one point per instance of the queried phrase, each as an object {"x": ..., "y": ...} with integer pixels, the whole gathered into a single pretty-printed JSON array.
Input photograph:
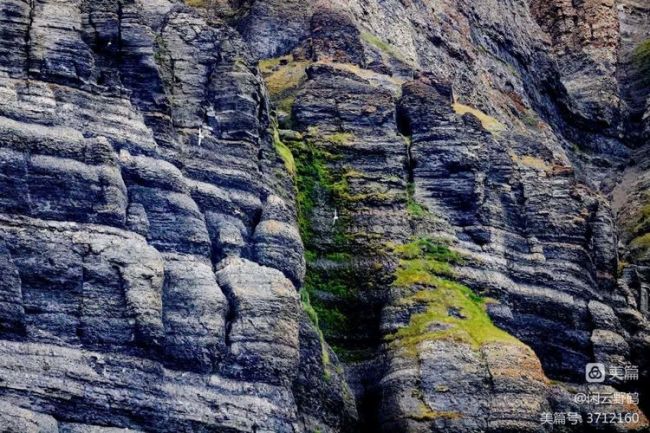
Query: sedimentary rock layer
[{"x": 295, "y": 216}]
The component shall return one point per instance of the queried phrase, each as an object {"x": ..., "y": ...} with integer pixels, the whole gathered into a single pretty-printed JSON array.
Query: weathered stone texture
[
  {"x": 155, "y": 234},
  {"x": 149, "y": 257}
]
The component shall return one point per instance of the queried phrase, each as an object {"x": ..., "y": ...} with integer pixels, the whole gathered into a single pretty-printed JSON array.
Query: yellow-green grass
[
  {"x": 285, "y": 153},
  {"x": 425, "y": 247},
  {"x": 283, "y": 74},
  {"x": 413, "y": 207},
  {"x": 640, "y": 246},
  {"x": 473, "y": 327},
  {"x": 490, "y": 124},
  {"x": 382, "y": 46},
  {"x": 452, "y": 311},
  {"x": 362, "y": 73},
  {"x": 283, "y": 77},
  {"x": 425, "y": 413},
  {"x": 339, "y": 138},
  {"x": 532, "y": 162}
]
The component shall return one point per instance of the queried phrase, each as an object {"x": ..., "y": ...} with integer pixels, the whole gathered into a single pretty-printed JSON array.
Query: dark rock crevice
[{"x": 28, "y": 38}]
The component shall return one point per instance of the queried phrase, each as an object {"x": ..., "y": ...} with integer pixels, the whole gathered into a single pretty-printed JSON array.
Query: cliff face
[
  {"x": 330, "y": 216},
  {"x": 150, "y": 254}
]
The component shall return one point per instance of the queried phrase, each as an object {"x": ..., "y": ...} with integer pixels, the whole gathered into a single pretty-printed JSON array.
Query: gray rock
[
  {"x": 150, "y": 252},
  {"x": 262, "y": 333},
  {"x": 117, "y": 215}
]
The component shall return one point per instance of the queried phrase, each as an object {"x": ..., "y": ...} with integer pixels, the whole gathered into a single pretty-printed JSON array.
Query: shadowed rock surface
[{"x": 330, "y": 216}]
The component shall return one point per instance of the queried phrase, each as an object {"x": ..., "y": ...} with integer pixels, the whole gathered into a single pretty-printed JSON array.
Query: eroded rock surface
[
  {"x": 513, "y": 161},
  {"x": 330, "y": 216},
  {"x": 150, "y": 252}
]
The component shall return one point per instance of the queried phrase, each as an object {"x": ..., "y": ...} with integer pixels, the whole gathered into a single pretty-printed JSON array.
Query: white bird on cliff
[
  {"x": 336, "y": 216},
  {"x": 200, "y": 135}
]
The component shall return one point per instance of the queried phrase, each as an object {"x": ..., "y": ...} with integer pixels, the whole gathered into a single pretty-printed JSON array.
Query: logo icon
[{"x": 595, "y": 373}]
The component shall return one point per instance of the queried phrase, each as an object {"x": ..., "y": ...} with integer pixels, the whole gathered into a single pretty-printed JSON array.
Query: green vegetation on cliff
[
  {"x": 284, "y": 152},
  {"x": 314, "y": 182},
  {"x": 643, "y": 220},
  {"x": 489, "y": 123},
  {"x": 331, "y": 284},
  {"x": 384, "y": 47},
  {"x": 452, "y": 311},
  {"x": 422, "y": 261},
  {"x": 640, "y": 246},
  {"x": 327, "y": 282},
  {"x": 641, "y": 60},
  {"x": 413, "y": 207},
  {"x": 313, "y": 317},
  {"x": 283, "y": 77},
  {"x": 321, "y": 186}
]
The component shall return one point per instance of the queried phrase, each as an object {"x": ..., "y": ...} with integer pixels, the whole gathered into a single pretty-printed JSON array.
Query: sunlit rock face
[{"x": 329, "y": 216}]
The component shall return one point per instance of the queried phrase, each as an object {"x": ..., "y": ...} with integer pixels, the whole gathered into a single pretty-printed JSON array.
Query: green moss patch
[
  {"x": 332, "y": 321},
  {"x": 340, "y": 138},
  {"x": 452, "y": 311},
  {"x": 338, "y": 257},
  {"x": 318, "y": 183},
  {"x": 642, "y": 224},
  {"x": 641, "y": 60},
  {"x": 284, "y": 152},
  {"x": 330, "y": 287},
  {"x": 428, "y": 248},
  {"x": 283, "y": 77},
  {"x": 640, "y": 245},
  {"x": 423, "y": 261},
  {"x": 283, "y": 74},
  {"x": 384, "y": 47},
  {"x": 313, "y": 317},
  {"x": 334, "y": 283},
  {"x": 414, "y": 208},
  {"x": 314, "y": 182}
]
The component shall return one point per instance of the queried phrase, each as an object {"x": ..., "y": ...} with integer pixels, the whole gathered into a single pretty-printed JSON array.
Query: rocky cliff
[{"x": 322, "y": 216}]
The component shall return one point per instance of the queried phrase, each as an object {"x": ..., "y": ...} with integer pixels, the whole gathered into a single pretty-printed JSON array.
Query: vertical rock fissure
[
  {"x": 120, "y": 42},
  {"x": 231, "y": 314},
  {"x": 491, "y": 386},
  {"x": 405, "y": 130},
  {"x": 28, "y": 38}
]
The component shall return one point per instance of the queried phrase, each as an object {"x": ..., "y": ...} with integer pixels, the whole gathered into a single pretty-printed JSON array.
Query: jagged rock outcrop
[
  {"x": 412, "y": 216},
  {"x": 585, "y": 40}
]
